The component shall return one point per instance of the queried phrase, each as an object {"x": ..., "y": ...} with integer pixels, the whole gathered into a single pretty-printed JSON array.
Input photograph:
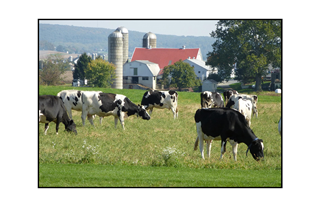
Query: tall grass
[{"x": 161, "y": 141}]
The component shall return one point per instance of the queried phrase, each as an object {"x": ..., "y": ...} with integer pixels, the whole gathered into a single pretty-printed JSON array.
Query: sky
[{"x": 167, "y": 27}]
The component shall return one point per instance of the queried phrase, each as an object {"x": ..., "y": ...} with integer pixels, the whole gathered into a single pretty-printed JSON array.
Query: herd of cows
[{"x": 216, "y": 120}]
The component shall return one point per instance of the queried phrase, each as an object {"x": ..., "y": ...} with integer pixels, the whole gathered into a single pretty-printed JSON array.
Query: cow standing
[
  {"x": 211, "y": 99},
  {"x": 109, "y": 104},
  {"x": 227, "y": 125},
  {"x": 161, "y": 99},
  {"x": 233, "y": 100},
  {"x": 72, "y": 100},
  {"x": 51, "y": 108},
  {"x": 228, "y": 93}
]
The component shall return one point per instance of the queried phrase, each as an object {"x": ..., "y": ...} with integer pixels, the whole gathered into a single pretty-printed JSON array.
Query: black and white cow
[
  {"x": 51, "y": 109},
  {"x": 233, "y": 100},
  {"x": 211, "y": 99},
  {"x": 227, "y": 125},
  {"x": 72, "y": 100},
  {"x": 109, "y": 104},
  {"x": 161, "y": 99},
  {"x": 228, "y": 93}
]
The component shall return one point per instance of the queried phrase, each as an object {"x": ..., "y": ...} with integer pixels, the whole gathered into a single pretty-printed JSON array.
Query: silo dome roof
[
  {"x": 123, "y": 30},
  {"x": 116, "y": 34},
  {"x": 150, "y": 35}
]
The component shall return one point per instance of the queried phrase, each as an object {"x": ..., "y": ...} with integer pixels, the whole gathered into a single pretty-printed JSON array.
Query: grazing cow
[
  {"x": 72, "y": 100},
  {"x": 228, "y": 93},
  {"x": 227, "y": 125},
  {"x": 161, "y": 99},
  {"x": 108, "y": 104},
  {"x": 51, "y": 108},
  {"x": 253, "y": 98},
  {"x": 279, "y": 126},
  {"x": 211, "y": 99}
]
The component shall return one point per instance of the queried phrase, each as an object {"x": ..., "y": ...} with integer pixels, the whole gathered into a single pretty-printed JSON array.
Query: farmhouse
[{"x": 200, "y": 68}]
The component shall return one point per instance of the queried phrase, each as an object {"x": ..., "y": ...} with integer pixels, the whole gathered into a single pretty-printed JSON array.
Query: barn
[{"x": 140, "y": 72}]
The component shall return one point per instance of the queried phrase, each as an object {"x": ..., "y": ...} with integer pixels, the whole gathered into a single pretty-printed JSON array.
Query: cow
[
  {"x": 211, "y": 99},
  {"x": 161, "y": 99},
  {"x": 253, "y": 98},
  {"x": 244, "y": 106},
  {"x": 109, "y": 104},
  {"x": 51, "y": 108},
  {"x": 228, "y": 93},
  {"x": 226, "y": 125},
  {"x": 72, "y": 100}
]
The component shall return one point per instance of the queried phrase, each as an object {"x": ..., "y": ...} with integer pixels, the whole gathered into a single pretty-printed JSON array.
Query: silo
[
  {"x": 125, "y": 35},
  {"x": 115, "y": 56},
  {"x": 149, "y": 40}
]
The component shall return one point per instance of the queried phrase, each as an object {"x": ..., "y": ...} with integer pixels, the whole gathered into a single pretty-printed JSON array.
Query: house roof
[{"x": 165, "y": 56}]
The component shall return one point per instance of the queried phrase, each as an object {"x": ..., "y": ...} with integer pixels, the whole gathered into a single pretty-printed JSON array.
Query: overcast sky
[{"x": 169, "y": 27}]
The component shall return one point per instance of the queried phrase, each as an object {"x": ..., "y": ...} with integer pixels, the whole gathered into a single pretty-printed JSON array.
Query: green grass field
[{"x": 150, "y": 153}]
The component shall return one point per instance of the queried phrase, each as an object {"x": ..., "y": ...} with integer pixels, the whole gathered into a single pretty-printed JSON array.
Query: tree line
[{"x": 98, "y": 72}]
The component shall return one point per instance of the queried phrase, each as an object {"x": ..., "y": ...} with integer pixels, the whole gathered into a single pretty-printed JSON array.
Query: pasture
[{"x": 162, "y": 145}]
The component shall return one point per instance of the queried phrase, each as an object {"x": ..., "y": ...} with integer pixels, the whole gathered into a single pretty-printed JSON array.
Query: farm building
[
  {"x": 209, "y": 85},
  {"x": 165, "y": 56},
  {"x": 200, "y": 68},
  {"x": 141, "y": 72}
]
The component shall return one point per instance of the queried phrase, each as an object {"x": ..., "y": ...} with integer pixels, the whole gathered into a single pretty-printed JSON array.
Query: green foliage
[
  {"x": 53, "y": 67},
  {"x": 180, "y": 75},
  {"x": 215, "y": 77},
  {"x": 100, "y": 73},
  {"x": 252, "y": 44},
  {"x": 81, "y": 66}
]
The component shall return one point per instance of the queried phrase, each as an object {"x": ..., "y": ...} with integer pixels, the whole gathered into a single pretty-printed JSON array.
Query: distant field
[{"x": 156, "y": 145}]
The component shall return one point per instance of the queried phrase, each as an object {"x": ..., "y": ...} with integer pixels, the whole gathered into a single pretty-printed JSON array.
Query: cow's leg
[
  {"x": 223, "y": 147},
  {"x": 57, "y": 126},
  {"x": 116, "y": 121},
  {"x": 200, "y": 136},
  {"x": 101, "y": 120},
  {"x": 196, "y": 143},
  {"x": 84, "y": 116},
  {"x": 121, "y": 118},
  {"x": 234, "y": 149},
  {"x": 150, "y": 111},
  {"x": 208, "y": 147},
  {"x": 90, "y": 118},
  {"x": 46, "y": 127},
  {"x": 174, "y": 112}
]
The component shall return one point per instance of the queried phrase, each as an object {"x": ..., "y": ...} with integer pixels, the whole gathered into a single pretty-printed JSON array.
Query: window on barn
[
  {"x": 135, "y": 71},
  {"x": 145, "y": 78}
]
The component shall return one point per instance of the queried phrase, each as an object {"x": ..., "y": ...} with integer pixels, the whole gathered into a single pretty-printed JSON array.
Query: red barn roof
[{"x": 165, "y": 56}]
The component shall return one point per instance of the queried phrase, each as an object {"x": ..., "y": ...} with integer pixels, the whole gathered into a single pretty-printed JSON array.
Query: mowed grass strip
[{"x": 89, "y": 175}]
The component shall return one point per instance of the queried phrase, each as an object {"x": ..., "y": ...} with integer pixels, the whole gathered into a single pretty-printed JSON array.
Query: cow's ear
[
  {"x": 261, "y": 140},
  {"x": 239, "y": 97},
  {"x": 71, "y": 121}
]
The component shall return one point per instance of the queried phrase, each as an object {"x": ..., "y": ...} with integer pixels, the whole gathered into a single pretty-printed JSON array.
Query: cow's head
[
  {"x": 143, "y": 113},
  {"x": 71, "y": 127},
  {"x": 256, "y": 149}
]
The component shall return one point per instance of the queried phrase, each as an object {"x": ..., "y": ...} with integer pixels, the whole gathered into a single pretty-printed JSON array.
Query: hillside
[{"x": 95, "y": 40}]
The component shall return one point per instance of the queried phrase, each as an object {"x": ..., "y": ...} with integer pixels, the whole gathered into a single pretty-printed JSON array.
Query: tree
[
  {"x": 180, "y": 75},
  {"x": 215, "y": 77},
  {"x": 53, "y": 67},
  {"x": 252, "y": 44},
  {"x": 81, "y": 65},
  {"x": 100, "y": 73}
]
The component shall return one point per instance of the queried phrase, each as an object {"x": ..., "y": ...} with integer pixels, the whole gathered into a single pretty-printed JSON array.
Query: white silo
[
  {"x": 115, "y": 56},
  {"x": 149, "y": 40},
  {"x": 125, "y": 35}
]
